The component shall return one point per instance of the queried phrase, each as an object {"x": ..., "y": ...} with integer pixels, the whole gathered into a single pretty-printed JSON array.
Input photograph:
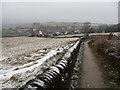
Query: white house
[{"x": 40, "y": 32}]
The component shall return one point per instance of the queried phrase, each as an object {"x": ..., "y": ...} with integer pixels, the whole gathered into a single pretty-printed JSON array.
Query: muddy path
[{"x": 91, "y": 75}]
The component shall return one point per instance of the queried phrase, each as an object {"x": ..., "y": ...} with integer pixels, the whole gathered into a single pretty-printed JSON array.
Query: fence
[{"x": 57, "y": 76}]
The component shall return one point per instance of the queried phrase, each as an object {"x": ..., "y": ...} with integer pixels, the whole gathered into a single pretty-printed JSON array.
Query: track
[{"x": 91, "y": 76}]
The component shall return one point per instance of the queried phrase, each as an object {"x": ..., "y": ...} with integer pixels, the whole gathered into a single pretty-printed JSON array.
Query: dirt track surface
[{"x": 91, "y": 76}]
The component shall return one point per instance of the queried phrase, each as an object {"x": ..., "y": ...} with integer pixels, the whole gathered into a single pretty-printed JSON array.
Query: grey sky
[
  {"x": 119, "y": 12},
  {"x": 27, "y": 12}
]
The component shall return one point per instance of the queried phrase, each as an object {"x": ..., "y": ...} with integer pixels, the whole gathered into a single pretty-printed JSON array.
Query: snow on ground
[
  {"x": 31, "y": 67},
  {"x": 17, "y": 69},
  {"x": 114, "y": 33},
  {"x": 18, "y": 45}
]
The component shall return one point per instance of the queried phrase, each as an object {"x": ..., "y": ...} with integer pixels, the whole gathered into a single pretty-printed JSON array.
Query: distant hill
[
  {"x": 14, "y": 30},
  {"x": 13, "y": 33}
]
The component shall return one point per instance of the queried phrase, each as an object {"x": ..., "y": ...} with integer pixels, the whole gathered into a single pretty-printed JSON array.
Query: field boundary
[{"x": 57, "y": 76}]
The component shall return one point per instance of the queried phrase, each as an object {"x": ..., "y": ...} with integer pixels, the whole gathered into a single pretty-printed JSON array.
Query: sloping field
[
  {"x": 25, "y": 57},
  {"x": 79, "y": 35},
  {"x": 19, "y": 45}
]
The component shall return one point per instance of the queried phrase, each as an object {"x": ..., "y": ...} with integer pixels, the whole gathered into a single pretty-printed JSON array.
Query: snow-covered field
[
  {"x": 114, "y": 33},
  {"x": 25, "y": 57},
  {"x": 19, "y": 45}
]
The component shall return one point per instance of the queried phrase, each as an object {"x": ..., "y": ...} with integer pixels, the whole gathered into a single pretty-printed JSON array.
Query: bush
[{"x": 101, "y": 45}]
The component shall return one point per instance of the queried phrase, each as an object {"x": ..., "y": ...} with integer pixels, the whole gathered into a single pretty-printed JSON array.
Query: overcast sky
[
  {"x": 27, "y": 12},
  {"x": 119, "y": 12}
]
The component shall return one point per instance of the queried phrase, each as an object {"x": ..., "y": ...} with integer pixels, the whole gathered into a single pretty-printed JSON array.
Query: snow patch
[{"x": 30, "y": 66}]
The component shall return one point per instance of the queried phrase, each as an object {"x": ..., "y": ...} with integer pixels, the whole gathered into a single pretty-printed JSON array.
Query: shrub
[{"x": 101, "y": 45}]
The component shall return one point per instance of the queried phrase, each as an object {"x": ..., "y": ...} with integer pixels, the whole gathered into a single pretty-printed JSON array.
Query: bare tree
[{"x": 86, "y": 27}]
